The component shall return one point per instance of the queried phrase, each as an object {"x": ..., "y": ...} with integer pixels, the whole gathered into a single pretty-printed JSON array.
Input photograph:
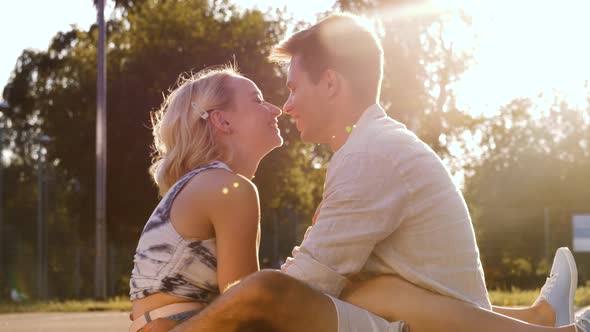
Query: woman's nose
[{"x": 276, "y": 111}]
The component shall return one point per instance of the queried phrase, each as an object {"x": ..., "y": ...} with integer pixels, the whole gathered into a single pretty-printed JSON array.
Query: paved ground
[
  {"x": 65, "y": 322},
  {"x": 70, "y": 322}
]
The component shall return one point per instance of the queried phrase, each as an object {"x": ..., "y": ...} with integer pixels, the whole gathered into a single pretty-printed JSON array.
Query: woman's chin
[
  {"x": 278, "y": 140},
  {"x": 277, "y": 143}
]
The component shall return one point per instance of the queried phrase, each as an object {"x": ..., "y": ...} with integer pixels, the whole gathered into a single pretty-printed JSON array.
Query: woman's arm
[
  {"x": 223, "y": 205},
  {"x": 235, "y": 215}
]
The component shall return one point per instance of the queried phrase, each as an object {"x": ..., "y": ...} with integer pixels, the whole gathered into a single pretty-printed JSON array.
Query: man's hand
[
  {"x": 289, "y": 260},
  {"x": 295, "y": 250}
]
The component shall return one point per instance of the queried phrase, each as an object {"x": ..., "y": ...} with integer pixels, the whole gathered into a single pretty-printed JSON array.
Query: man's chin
[
  {"x": 307, "y": 138},
  {"x": 304, "y": 138}
]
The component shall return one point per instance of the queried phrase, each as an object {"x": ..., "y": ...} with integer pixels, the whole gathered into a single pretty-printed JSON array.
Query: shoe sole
[{"x": 574, "y": 279}]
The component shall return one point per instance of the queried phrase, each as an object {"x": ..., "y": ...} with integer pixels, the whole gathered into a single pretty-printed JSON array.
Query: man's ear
[
  {"x": 220, "y": 121},
  {"x": 333, "y": 82}
]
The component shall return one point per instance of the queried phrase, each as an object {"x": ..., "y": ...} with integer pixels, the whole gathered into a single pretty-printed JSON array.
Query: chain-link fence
[{"x": 516, "y": 247}]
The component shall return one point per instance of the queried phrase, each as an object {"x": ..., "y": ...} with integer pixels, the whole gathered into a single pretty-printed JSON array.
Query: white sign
[{"x": 581, "y": 230}]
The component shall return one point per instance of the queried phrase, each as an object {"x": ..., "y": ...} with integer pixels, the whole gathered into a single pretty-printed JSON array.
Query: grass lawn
[
  {"x": 511, "y": 298},
  {"x": 518, "y": 297}
]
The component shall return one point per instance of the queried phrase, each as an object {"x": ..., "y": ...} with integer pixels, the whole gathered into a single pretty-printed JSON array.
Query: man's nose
[{"x": 288, "y": 106}]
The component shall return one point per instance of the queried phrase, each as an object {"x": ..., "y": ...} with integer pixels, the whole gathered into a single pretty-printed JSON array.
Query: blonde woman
[{"x": 209, "y": 137}]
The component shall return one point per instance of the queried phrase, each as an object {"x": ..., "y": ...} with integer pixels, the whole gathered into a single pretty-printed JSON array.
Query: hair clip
[{"x": 204, "y": 115}]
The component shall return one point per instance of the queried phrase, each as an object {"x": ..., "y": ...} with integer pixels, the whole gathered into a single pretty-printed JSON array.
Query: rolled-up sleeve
[{"x": 364, "y": 201}]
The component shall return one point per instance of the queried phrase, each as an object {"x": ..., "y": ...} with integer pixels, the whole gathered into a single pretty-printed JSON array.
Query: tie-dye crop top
[{"x": 165, "y": 262}]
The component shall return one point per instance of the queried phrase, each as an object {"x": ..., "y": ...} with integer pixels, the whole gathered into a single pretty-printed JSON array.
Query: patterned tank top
[{"x": 166, "y": 262}]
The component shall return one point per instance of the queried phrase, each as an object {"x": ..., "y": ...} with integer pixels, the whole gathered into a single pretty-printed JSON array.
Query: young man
[{"x": 389, "y": 205}]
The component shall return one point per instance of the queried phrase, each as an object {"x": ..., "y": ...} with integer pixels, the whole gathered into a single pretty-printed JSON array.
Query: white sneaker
[
  {"x": 560, "y": 287},
  {"x": 583, "y": 321},
  {"x": 399, "y": 326}
]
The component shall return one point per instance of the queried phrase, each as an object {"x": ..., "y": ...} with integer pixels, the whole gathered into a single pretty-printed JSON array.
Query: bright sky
[
  {"x": 32, "y": 24},
  {"x": 35, "y": 22},
  {"x": 526, "y": 46}
]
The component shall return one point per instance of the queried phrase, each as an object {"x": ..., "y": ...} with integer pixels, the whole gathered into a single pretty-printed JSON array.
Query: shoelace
[
  {"x": 583, "y": 321},
  {"x": 548, "y": 286}
]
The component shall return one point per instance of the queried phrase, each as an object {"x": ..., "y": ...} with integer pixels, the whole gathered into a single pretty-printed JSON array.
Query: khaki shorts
[{"x": 354, "y": 319}]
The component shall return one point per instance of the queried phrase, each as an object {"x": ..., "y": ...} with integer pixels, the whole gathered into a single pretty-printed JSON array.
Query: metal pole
[
  {"x": 101, "y": 117},
  {"x": 77, "y": 271},
  {"x": 45, "y": 250},
  {"x": 42, "y": 261},
  {"x": 40, "y": 224},
  {"x": 76, "y": 188}
]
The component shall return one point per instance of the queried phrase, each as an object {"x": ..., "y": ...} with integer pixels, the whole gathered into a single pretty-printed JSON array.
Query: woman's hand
[{"x": 159, "y": 325}]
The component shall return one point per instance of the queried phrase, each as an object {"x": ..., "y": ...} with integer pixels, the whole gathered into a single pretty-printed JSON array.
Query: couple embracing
[{"x": 391, "y": 247}]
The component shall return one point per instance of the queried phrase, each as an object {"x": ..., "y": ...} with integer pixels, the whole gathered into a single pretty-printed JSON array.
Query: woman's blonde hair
[{"x": 183, "y": 137}]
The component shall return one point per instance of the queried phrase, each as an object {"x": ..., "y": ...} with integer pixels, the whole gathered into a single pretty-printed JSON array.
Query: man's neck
[
  {"x": 342, "y": 129},
  {"x": 338, "y": 140}
]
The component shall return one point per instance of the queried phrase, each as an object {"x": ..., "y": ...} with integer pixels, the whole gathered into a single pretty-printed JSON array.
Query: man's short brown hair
[{"x": 340, "y": 42}]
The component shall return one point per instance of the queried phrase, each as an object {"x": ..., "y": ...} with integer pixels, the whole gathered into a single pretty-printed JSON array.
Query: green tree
[
  {"x": 532, "y": 162},
  {"x": 421, "y": 64},
  {"x": 53, "y": 92}
]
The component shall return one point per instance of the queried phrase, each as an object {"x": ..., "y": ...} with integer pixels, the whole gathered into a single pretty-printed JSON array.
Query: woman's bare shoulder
[
  {"x": 209, "y": 196},
  {"x": 217, "y": 188}
]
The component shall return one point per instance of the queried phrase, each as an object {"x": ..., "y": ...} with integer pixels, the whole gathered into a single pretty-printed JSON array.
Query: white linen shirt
[{"x": 390, "y": 207}]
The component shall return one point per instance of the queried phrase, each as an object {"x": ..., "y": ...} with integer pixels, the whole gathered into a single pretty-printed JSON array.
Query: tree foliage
[
  {"x": 421, "y": 64},
  {"x": 53, "y": 92},
  {"x": 525, "y": 162},
  {"x": 532, "y": 166}
]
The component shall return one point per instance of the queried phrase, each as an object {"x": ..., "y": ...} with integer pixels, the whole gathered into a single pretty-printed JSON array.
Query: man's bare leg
[
  {"x": 424, "y": 311},
  {"x": 266, "y": 301},
  {"x": 539, "y": 314}
]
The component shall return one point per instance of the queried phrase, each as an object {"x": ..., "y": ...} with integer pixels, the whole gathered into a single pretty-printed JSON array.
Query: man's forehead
[
  {"x": 292, "y": 68},
  {"x": 289, "y": 74}
]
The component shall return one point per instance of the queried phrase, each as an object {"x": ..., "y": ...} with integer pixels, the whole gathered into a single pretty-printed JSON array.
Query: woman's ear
[{"x": 220, "y": 121}]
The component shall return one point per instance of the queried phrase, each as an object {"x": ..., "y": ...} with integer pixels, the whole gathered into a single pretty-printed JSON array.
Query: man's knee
[
  {"x": 269, "y": 287},
  {"x": 262, "y": 296},
  {"x": 255, "y": 325},
  {"x": 275, "y": 298}
]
